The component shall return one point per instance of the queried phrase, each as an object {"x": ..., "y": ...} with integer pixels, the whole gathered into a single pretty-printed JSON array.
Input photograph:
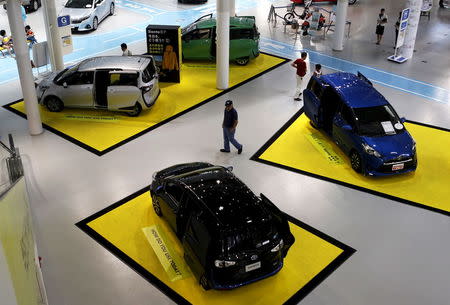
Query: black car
[
  {"x": 230, "y": 236},
  {"x": 193, "y": 1}
]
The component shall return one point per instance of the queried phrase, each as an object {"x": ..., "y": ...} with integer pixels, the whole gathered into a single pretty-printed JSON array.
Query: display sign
[
  {"x": 63, "y": 21},
  {"x": 402, "y": 27},
  {"x": 65, "y": 33},
  {"x": 164, "y": 44}
]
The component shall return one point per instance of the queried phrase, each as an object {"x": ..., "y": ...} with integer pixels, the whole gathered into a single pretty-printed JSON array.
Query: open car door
[{"x": 122, "y": 90}]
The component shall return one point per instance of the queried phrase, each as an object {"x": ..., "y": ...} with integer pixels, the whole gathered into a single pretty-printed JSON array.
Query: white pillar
[
  {"x": 223, "y": 44},
  {"x": 24, "y": 66},
  {"x": 232, "y": 8},
  {"x": 339, "y": 28},
  {"x": 407, "y": 50},
  {"x": 54, "y": 42}
]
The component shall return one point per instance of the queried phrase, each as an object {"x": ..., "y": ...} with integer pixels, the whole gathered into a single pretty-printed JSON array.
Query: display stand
[
  {"x": 164, "y": 44},
  {"x": 401, "y": 37}
]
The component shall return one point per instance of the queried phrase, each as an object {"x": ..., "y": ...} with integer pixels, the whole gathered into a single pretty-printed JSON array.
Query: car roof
[
  {"x": 114, "y": 63},
  {"x": 230, "y": 201},
  {"x": 235, "y": 22},
  {"x": 356, "y": 93}
]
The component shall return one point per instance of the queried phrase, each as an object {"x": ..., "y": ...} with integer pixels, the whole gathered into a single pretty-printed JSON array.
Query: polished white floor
[{"x": 402, "y": 253}]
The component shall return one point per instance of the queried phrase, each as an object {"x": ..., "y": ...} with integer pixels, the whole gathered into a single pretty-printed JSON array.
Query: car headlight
[
  {"x": 278, "y": 247},
  {"x": 223, "y": 264},
  {"x": 371, "y": 151},
  {"x": 154, "y": 175},
  {"x": 78, "y": 20}
]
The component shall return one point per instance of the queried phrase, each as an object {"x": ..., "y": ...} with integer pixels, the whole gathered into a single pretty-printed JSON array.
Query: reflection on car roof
[
  {"x": 356, "y": 93},
  {"x": 113, "y": 63},
  {"x": 226, "y": 196}
]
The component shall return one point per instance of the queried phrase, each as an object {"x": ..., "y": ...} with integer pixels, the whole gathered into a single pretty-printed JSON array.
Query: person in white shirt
[
  {"x": 125, "y": 51},
  {"x": 381, "y": 21},
  {"x": 318, "y": 70}
]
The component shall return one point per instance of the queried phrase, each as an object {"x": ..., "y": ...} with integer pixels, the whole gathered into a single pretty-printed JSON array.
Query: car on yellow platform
[
  {"x": 119, "y": 83},
  {"x": 199, "y": 39},
  {"x": 230, "y": 236}
]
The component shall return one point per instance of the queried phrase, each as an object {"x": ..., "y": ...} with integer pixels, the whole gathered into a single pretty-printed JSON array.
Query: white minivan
[{"x": 119, "y": 83}]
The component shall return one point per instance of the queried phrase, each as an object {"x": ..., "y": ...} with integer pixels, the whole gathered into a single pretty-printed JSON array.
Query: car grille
[
  {"x": 408, "y": 162},
  {"x": 237, "y": 275}
]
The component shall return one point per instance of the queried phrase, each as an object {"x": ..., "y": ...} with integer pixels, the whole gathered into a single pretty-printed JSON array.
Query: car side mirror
[
  {"x": 230, "y": 168},
  {"x": 347, "y": 127},
  {"x": 64, "y": 85},
  {"x": 403, "y": 120}
]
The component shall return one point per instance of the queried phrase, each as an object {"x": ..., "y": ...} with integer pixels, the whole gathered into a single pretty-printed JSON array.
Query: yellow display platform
[
  {"x": 121, "y": 228},
  {"x": 298, "y": 147},
  {"x": 102, "y": 131}
]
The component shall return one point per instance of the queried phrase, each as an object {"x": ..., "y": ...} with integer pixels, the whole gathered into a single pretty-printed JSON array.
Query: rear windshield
[
  {"x": 249, "y": 238},
  {"x": 378, "y": 121}
]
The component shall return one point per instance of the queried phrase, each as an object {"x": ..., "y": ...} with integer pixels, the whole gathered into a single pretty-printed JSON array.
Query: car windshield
[
  {"x": 64, "y": 74},
  {"x": 249, "y": 238},
  {"x": 79, "y": 4},
  {"x": 377, "y": 121},
  {"x": 188, "y": 28}
]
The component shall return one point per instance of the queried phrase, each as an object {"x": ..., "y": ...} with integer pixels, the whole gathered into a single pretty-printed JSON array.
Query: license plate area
[
  {"x": 253, "y": 266},
  {"x": 396, "y": 167}
]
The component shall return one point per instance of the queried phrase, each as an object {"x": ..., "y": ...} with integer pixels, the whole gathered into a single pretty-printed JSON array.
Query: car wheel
[
  {"x": 355, "y": 160},
  {"x": 54, "y": 104},
  {"x": 351, "y": 2},
  {"x": 35, "y": 5},
  {"x": 156, "y": 206},
  {"x": 95, "y": 24},
  {"x": 111, "y": 9},
  {"x": 242, "y": 61},
  {"x": 288, "y": 18},
  {"x": 136, "y": 110},
  {"x": 204, "y": 283}
]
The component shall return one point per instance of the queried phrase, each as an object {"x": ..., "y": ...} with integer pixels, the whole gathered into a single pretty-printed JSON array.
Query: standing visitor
[
  {"x": 381, "y": 22},
  {"x": 318, "y": 70},
  {"x": 300, "y": 65},
  {"x": 230, "y": 121},
  {"x": 125, "y": 51}
]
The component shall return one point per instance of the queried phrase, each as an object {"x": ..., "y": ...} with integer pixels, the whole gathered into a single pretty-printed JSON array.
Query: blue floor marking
[{"x": 94, "y": 44}]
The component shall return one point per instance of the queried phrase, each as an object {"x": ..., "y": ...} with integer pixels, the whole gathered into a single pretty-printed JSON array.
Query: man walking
[
  {"x": 230, "y": 121},
  {"x": 300, "y": 65}
]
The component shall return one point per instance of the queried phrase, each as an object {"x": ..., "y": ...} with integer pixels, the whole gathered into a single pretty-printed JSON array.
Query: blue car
[{"x": 361, "y": 122}]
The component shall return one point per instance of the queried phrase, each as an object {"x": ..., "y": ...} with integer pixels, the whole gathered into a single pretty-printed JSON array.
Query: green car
[{"x": 199, "y": 42}]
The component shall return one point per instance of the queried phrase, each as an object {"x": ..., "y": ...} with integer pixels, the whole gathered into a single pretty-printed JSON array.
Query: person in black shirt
[{"x": 230, "y": 121}]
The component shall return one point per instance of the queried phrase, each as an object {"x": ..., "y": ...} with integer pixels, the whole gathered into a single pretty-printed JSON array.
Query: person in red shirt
[{"x": 300, "y": 65}]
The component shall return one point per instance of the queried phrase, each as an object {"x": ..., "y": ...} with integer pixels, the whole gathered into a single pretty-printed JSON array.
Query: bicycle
[{"x": 289, "y": 17}]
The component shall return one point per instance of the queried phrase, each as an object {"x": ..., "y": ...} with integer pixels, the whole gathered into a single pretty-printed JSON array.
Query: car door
[
  {"x": 344, "y": 128},
  {"x": 240, "y": 43},
  {"x": 170, "y": 202},
  {"x": 196, "y": 242},
  {"x": 312, "y": 97},
  {"x": 150, "y": 84},
  {"x": 77, "y": 89},
  {"x": 122, "y": 90},
  {"x": 197, "y": 44}
]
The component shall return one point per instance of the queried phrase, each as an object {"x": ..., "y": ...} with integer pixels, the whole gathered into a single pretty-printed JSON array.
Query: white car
[
  {"x": 118, "y": 83},
  {"x": 85, "y": 15}
]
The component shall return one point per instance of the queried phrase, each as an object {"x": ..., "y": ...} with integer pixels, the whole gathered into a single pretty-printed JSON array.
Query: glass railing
[{"x": 11, "y": 168}]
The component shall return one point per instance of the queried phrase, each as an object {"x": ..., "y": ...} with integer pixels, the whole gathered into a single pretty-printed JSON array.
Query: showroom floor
[{"x": 402, "y": 251}]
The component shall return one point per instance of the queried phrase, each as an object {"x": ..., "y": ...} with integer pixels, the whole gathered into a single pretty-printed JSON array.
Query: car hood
[
  {"x": 47, "y": 79},
  {"x": 392, "y": 146},
  {"x": 75, "y": 13}
]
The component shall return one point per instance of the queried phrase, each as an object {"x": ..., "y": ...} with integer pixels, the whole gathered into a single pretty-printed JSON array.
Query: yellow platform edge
[
  {"x": 86, "y": 226},
  {"x": 257, "y": 157},
  {"x": 99, "y": 152}
]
